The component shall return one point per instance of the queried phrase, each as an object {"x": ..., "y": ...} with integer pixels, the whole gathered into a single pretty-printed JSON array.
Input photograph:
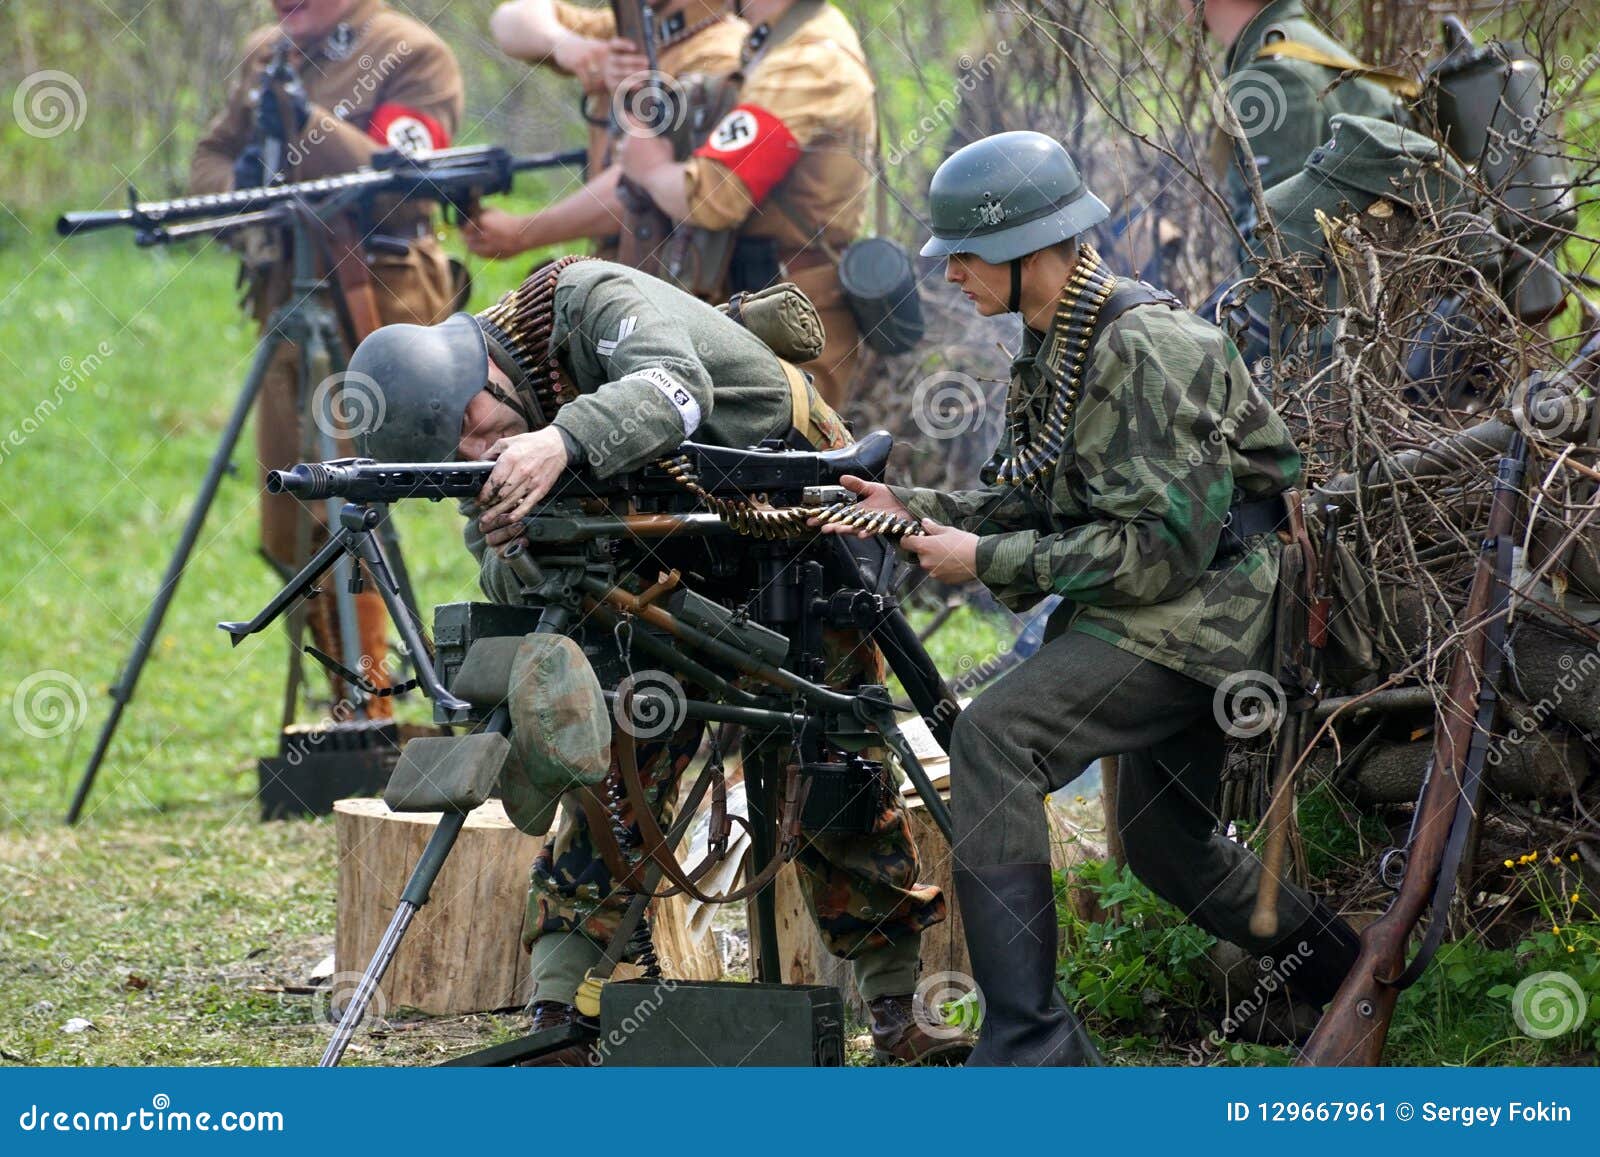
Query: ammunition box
[{"x": 692, "y": 1024}]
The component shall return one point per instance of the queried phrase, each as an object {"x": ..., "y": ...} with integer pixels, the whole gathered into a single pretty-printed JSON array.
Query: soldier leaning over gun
[
  {"x": 372, "y": 79},
  {"x": 695, "y": 37},
  {"x": 1287, "y": 78},
  {"x": 589, "y": 361},
  {"x": 1140, "y": 479}
]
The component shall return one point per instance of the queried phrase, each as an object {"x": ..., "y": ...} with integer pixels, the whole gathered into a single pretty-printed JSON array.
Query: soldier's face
[
  {"x": 306, "y": 20},
  {"x": 987, "y": 286},
  {"x": 488, "y": 420}
]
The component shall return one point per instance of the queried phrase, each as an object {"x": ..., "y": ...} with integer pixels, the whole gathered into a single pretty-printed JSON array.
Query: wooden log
[
  {"x": 463, "y": 952},
  {"x": 1539, "y": 765}
]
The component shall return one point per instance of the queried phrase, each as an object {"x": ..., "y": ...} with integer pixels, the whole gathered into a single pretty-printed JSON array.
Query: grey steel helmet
[
  {"x": 424, "y": 376},
  {"x": 1005, "y": 196}
]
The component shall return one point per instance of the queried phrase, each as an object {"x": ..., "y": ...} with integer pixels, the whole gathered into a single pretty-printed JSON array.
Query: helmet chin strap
[{"x": 1015, "y": 302}]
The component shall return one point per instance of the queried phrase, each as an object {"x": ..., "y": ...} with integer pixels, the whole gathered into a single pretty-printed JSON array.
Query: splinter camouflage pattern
[{"x": 1169, "y": 431}]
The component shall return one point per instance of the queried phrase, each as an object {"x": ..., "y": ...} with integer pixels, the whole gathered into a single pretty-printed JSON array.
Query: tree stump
[{"x": 463, "y": 951}]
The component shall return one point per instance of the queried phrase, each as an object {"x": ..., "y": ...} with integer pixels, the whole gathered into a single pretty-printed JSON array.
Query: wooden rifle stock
[
  {"x": 645, "y": 228},
  {"x": 1356, "y": 1024}
]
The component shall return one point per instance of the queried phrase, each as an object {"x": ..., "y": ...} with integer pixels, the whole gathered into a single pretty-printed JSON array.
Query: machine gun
[
  {"x": 760, "y": 664},
  {"x": 454, "y": 177}
]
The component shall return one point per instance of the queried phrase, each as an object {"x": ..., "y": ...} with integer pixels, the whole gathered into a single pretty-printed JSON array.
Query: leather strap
[
  {"x": 802, "y": 406},
  {"x": 1295, "y": 50}
]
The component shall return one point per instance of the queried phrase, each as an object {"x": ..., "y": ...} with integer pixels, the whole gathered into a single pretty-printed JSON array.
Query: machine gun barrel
[
  {"x": 363, "y": 480},
  {"x": 451, "y": 176}
]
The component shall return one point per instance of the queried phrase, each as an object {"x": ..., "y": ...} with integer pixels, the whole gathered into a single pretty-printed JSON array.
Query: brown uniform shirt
[
  {"x": 801, "y": 138},
  {"x": 711, "y": 40},
  {"x": 379, "y": 80}
]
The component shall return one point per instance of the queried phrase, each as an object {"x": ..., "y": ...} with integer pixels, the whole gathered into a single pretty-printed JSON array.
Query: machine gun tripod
[{"x": 330, "y": 307}]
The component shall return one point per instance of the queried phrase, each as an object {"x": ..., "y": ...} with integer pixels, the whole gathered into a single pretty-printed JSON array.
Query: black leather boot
[
  {"x": 1331, "y": 948},
  {"x": 1009, "y": 911}
]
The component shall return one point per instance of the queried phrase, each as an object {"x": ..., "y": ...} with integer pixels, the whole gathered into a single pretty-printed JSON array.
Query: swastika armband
[
  {"x": 406, "y": 129},
  {"x": 756, "y": 145}
]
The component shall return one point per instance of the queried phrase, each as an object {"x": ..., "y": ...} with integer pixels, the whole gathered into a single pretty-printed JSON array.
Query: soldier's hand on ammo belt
[
  {"x": 874, "y": 496},
  {"x": 525, "y": 467}
]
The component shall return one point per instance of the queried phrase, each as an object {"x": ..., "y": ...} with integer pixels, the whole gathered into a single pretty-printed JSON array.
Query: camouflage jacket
[
  {"x": 1284, "y": 106},
  {"x": 1168, "y": 432}
]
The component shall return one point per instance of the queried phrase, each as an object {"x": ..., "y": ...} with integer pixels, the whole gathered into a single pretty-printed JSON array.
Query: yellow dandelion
[
  {"x": 1508, "y": 863},
  {"x": 1574, "y": 897},
  {"x": 1556, "y": 928},
  {"x": 1573, "y": 857}
]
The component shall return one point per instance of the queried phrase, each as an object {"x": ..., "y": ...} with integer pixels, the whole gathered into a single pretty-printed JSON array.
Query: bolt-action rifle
[
  {"x": 645, "y": 228},
  {"x": 1424, "y": 871}
]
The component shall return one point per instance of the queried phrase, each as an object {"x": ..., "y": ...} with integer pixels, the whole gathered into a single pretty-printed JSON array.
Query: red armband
[
  {"x": 406, "y": 129},
  {"x": 756, "y": 145}
]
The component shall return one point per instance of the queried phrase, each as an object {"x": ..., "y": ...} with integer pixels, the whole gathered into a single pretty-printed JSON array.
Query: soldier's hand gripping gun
[{"x": 454, "y": 177}]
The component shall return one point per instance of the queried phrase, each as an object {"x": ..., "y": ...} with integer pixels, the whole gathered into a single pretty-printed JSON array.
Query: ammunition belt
[{"x": 753, "y": 521}]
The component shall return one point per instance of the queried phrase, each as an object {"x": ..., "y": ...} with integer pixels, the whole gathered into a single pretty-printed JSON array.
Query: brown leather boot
[
  {"x": 553, "y": 1014},
  {"x": 901, "y": 1037}
]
